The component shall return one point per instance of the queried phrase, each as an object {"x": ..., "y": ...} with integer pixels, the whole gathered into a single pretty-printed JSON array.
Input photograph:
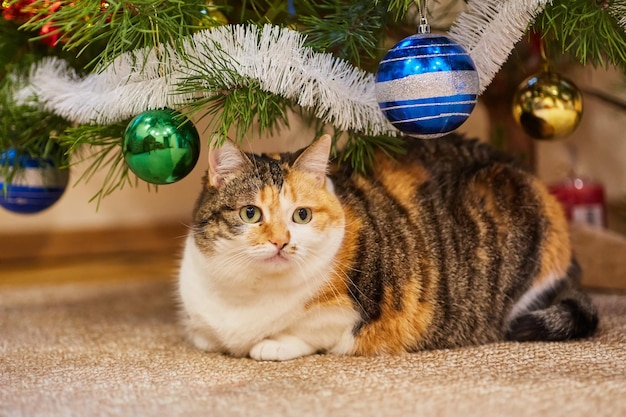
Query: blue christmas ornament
[
  {"x": 427, "y": 85},
  {"x": 37, "y": 184}
]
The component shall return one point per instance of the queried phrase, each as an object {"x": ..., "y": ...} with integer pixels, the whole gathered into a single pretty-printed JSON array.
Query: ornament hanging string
[
  {"x": 423, "y": 27},
  {"x": 544, "y": 56},
  {"x": 421, "y": 8}
]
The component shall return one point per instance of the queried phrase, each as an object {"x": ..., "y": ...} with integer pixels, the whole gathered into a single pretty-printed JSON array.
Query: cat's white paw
[{"x": 281, "y": 349}]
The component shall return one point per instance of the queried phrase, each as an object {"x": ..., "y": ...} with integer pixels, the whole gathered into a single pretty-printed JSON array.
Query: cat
[{"x": 450, "y": 244}]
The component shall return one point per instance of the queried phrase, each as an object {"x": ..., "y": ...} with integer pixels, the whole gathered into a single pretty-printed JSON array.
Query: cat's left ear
[
  {"x": 225, "y": 161},
  {"x": 314, "y": 159}
]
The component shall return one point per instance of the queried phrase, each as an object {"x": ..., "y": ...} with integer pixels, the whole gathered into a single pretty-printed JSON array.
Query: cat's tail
[{"x": 560, "y": 312}]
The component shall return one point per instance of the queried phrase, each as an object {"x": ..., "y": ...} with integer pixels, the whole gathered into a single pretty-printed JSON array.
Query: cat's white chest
[{"x": 234, "y": 305}]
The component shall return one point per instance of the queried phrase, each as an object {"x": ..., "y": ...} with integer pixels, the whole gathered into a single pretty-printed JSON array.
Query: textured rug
[{"x": 115, "y": 349}]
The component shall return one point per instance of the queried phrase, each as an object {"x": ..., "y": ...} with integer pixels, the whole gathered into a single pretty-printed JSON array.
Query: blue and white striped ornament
[
  {"x": 427, "y": 85},
  {"x": 37, "y": 185}
]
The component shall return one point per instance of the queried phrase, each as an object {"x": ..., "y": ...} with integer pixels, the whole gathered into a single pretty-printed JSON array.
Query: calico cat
[{"x": 448, "y": 245}]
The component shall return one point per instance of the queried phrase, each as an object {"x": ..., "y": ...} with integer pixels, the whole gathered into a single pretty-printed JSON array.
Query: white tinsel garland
[
  {"x": 339, "y": 93},
  {"x": 619, "y": 12},
  {"x": 489, "y": 30}
]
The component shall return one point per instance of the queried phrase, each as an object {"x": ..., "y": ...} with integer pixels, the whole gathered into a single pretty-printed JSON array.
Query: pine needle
[{"x": 586, "y": 31}]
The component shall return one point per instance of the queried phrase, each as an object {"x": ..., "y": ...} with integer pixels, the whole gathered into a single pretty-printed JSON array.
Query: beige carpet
[{"x": 114, "y": 349}]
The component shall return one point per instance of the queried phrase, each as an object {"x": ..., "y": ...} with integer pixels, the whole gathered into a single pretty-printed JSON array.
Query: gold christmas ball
[
  {"x": 547, "y": 106},
  {"x": 211, "y": 16}
]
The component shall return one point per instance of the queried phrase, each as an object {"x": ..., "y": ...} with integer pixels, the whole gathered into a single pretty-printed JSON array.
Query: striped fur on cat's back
[{"x": 449, "y": 245}]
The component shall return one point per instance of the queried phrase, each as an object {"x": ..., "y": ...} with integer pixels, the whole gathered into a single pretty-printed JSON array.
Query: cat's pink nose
[{"x": 279, "y": 243}]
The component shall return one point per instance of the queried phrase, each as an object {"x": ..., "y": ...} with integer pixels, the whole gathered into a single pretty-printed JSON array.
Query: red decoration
[
  {"x": 23, "y": 11},
  {"x": 583, "y": 200},
  {"x": 18, "y": 11},
  {"x": 52, "y": 34}
]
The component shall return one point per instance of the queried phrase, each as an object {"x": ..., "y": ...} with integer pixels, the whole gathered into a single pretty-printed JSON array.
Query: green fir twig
[
  {"x": 352, "y": 31},
  {"x": 231, "y": 103},
  {"x": 28, "y": 130},
  {"x": 101, "y": 147},
  {"x": 360, "y": 150},
  {"x": 120, "y": 26},
  {"x": 584, "y": 30}
]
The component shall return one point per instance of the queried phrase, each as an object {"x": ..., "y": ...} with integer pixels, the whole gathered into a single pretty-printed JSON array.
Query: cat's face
[
  {"x": 270, "y": 215},
  {"x": 288, "y": 226}
]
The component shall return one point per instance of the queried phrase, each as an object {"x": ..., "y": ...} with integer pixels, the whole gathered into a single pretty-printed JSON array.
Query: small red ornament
[
  {"x": 24, "y": 10},
  {"x": 104, "y": 8},
  {"x": 583, "y": 200},
  {"x": 52, "y": 34},
  {"x": 19, "y": 11}
]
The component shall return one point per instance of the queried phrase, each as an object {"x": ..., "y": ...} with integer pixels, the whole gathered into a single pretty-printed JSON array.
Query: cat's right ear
[
  {"x": 314, "y": 159},
  {"x": 224, "y": 161}
]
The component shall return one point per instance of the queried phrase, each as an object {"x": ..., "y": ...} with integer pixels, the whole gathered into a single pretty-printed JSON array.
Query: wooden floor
[{"x": 100, "y": 255}]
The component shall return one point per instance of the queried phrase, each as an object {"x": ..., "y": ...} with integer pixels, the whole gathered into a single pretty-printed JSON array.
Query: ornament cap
[{"x": 423, "y": 27}]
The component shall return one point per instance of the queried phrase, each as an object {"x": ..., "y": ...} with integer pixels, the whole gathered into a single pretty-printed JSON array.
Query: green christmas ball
[{"x": 161, "y": 146}]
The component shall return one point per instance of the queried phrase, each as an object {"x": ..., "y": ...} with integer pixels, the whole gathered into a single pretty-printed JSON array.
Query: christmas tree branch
[
  {"x": 28, "y": 130},
  {"x": 100, "y": 146},
  {"x": 592, "y": 33},
  {"x": 147, "y": 54},
  {"x": 353, "y": 31},
  {"x": 116, "y": 27},
  {"x": 237, "y": 111},
  {"x": 359, "y": 151},
  {"x": 400, "y": 6}
]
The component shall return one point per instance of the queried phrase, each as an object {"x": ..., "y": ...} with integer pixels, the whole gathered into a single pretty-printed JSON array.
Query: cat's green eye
[
  {"x": 250, "y": 214},
  {"x": 302, "y": 215}
]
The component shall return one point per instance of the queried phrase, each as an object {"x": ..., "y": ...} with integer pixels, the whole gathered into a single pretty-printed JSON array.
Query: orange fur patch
[
  {"x": 401, "y": 180},
  {"x": 398, "y": 331},
  {"x": 273, "y": 228},
  {"x": 336, "y": 291},
  {"x": 303, "y": 188},
  {"x": 557, "y": 252},
  {"x": 395, "y": 331}
]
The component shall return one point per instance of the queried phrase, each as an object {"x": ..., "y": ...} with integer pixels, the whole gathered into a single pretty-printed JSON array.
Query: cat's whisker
[
  {"x": 195, "y": 230},
  {"x": 306, "y": 272},
  {"x": 339, "y": 269},
  {"x": 349, "y": 285},
  {"x": 231, "y": 258}
]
